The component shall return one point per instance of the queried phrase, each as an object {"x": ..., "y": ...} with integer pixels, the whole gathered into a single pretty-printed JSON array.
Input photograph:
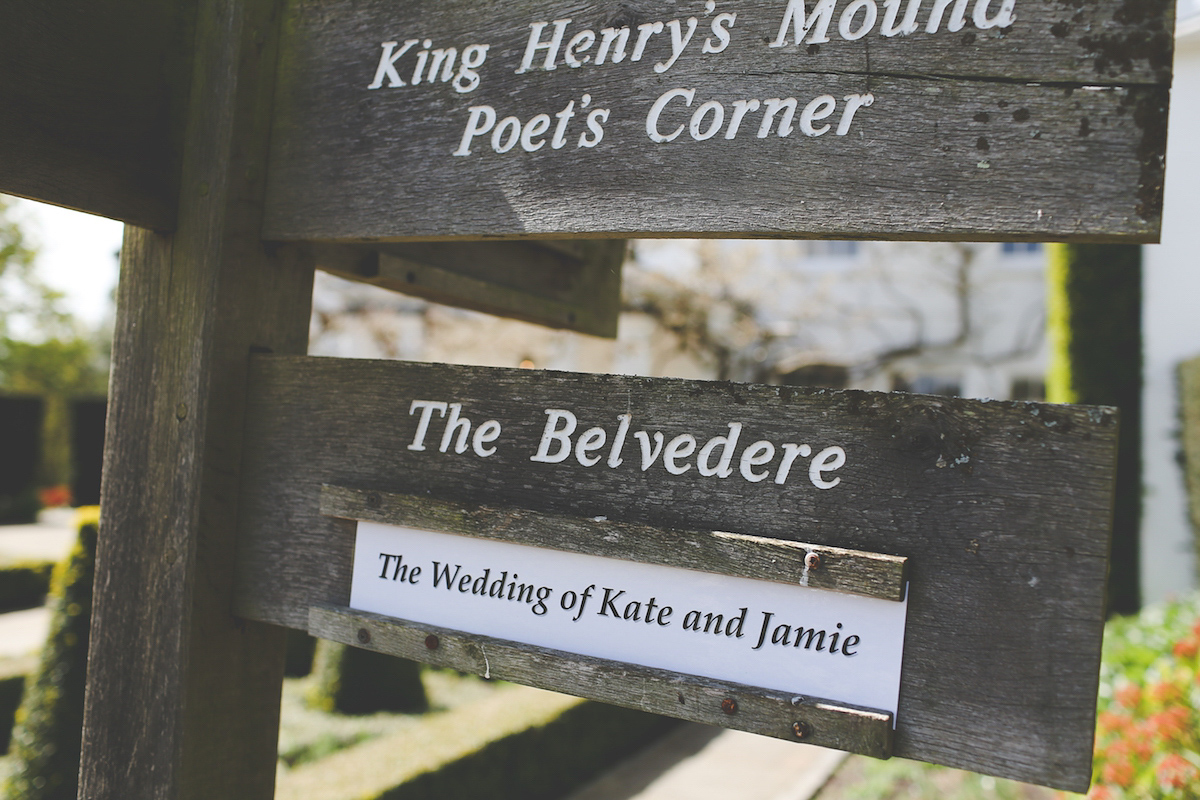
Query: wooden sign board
[
  {"x": 997, "y": 515},
  {"x": 572, "y": 284},
  {"x": 905, "y": 119}
]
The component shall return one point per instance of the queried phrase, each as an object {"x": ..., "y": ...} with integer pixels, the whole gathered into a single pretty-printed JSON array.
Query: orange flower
[
  {"x": 1129, "y": 695},
  {"x": 1176, "y": 772},
  {"x": 1119, "y": 773},
  {"x": 1112, "y": 722},
  {"x": 1100, "y": 792},
  {"x": 1170, "y": 724},
  {"x": 1187, "y": 647},
  {"x": 1165, "y": 692}
]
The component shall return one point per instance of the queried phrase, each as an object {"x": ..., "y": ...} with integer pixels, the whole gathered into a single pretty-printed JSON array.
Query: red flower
[
  {"x": 1165, "y": 692},
  {"x": 1172, "y": 723},
  {"x": 54, "y": 496},
  {"x": 1100, "y": 792},
  {"x": 1176, "y": 772}
]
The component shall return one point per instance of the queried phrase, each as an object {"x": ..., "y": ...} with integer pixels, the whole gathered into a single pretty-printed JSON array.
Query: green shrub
[
  {"x": 24, "y": 584},
  {"x": 1148, "y": 728},
  {"x": 49, "y": 722},
  {"x": 12, "y": 684},
  {"x": 298, "y": 659},
  {"x": 19, "y": 509},
  {"x": 350, "y": 680}
]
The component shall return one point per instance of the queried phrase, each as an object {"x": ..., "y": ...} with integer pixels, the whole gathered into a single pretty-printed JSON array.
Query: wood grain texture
[
  {"x": 1052, "y": 128},
  {"x": 738, "y": 554},
  {"x": 183, "y": 698},
  {"x": 93, "y": 98},
  {"x": 1002, "y": 509},
  {"x": 763, "y": 711},
  {"x": 571, "y": 285}
]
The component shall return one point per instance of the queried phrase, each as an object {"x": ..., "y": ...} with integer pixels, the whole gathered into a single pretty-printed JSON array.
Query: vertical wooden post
[{"x": 183, "y": 699}]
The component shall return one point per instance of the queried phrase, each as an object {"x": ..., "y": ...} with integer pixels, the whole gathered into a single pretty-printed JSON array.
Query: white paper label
[{"x": 777, "y": 636}]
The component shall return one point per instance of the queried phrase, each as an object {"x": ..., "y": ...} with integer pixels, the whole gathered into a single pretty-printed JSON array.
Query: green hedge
[
  {"x": 350, "y": 680},
  {"x": 49, "y": 721},
  {"x": 541, "y": 762},
  {"x": 12, "y": 684},
  {"x": 24, "y": 584}
]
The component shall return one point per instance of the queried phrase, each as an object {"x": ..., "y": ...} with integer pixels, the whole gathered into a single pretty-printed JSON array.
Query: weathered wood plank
[
  {"x": 1189, "y": 405},
  {"x": 746, "y": 556},
  {"x": 576, "y": 286},
  {"x": 183, "y": 698},
  {"x": 93, "y": 98},
  {"x": 1002, "y": 510},
  {"x": 1052, "y": 127},
  {"x": 807, "y": 719}
]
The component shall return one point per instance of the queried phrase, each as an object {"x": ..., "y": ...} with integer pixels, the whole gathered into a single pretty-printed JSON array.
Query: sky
[{"x": 77, "y": 254}]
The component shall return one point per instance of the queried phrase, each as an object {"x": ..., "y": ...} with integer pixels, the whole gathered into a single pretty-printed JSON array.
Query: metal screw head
[
  {"x": 374, "y": 500},
  {"x": 364, "y": 636},
  {"x": 802, "y": 730},
  {"x": 729, "y": 705},
  {"x": 812, "y": 560},
  {"x": 432, "y": 642}
]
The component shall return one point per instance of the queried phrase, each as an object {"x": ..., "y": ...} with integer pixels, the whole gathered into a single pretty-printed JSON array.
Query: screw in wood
[
  {"x": 812, "y": 560},
  {"x": 364, "y": 636},
  {"x": 374, "y": 500},
  {"x": 802, "y": 730},
  {"x": 729, "y": 705},
  {"x": 432, "y": 642}
]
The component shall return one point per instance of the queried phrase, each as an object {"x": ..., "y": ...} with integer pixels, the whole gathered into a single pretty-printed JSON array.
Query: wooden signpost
[
  {"x": 961, "y": 546},
  {"x": 942, "y": 119}
]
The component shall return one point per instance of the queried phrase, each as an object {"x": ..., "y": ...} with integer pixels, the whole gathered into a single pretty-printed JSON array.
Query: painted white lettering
[
  {"x": 498, "y": 142},
  {"x": 771, "y": 108},
  {"x": 422, "y": 57},
  {"x": 427, "y": 408},
  {"x": 560, "y": 130},
  {"x": 453, "y": 424},
  {"x": 819, "y": 108},
  {"x": 649, "y": 456},
  {"x": 614, "y": 456},
  {"x": 609, "y": 36},
  {"x": 681, "y": 446},
  {"x": 443, "y": 59},
  {"x": 678, "y": 42},
  {"x": 592, "y": 439},
  {"x": 387, "y": 64},
  {"x": 552, "y": 434},
  {"x": 740, "y": 109},
  {"x": 551, "y": 47},
  {"x": 909, "y": 25},
  {"x": 957, "y": 16},
  {"x": 756, "y": 455},
  {"x": 594, "y": 120},
  {"x": 645, "y": 31},
  {"x": 818, "y": 23},
  {"x": 481, "y": 121},
  {"x": 697, "y": 123},
  {"x": 656, "y": 110},
  {"x": 727, "y": 444},
  {"x": 827, "y": 460},
  {"x": 534, "y": 128},
  {"x": 485, "y": 434},
  {"x": 853, "y": 103},
  {"x": 846, "y": 21},
  {"x": 467, "y": 79},
  {"x": 790, "y": 451},
  {"x": 579, "y": 43},
  {"x": 1003, "y": 19},
  {"x": 720, "y": 31}
]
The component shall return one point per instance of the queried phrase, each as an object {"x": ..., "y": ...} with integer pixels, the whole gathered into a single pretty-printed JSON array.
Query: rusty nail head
[
  {"x": 801, "y": 729},
  {"x": 364, "y": 636},
  {"x": 729, "y": 705},
  {"x": 374, "y": 500},
  {"x": 431, "y": 642},
  {"x": 812, "y": 560}
]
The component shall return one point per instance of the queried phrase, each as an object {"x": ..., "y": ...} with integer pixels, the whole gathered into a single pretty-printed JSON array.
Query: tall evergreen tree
[{"x": 1094, "y": 308}]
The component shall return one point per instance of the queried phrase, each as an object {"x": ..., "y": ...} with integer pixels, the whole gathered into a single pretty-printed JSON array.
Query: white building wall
[{"x": 1171, "y": 325}]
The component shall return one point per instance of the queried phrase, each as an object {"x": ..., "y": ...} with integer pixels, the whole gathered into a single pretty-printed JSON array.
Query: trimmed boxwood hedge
[{"x": 24, "y": 584}]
